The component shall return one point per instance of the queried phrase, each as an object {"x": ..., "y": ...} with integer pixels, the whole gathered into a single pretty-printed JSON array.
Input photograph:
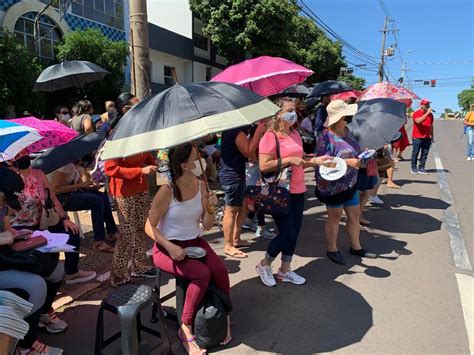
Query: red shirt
[
  {"x": 126, "y": 178},
  {"x": 423, "y": 129}
]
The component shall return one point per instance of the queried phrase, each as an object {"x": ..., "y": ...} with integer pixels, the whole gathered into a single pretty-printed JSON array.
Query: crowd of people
[{"x": 275, "y": 143}]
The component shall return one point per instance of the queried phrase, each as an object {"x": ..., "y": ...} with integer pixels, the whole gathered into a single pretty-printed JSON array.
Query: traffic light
[{"x": 433, "y": 83}]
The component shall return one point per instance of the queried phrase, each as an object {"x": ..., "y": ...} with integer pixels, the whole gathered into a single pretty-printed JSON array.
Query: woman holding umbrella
[
  {"x": 129, "y": 188},
  {"x": 289, "y": 225},
  {"x": 341, "y": 195},
  {"x": 186, "y": 195}
]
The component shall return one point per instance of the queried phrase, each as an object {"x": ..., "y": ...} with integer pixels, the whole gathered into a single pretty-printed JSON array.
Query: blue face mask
[{"x": 290, "y": 117}]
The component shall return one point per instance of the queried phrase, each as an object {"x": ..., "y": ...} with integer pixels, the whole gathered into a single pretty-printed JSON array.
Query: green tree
[
  {"x": 242, "y": 29},
  {"x": 93, "y": 46},
  {"x": 18, "y": 72},
  {"x": 465, "y": 98},
  {"x": 356, "y": 82}
]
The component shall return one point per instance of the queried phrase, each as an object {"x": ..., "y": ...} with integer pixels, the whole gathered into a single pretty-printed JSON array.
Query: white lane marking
[
  {"x": 466, "y": 291},
  {"x": 456, "y": 239}
]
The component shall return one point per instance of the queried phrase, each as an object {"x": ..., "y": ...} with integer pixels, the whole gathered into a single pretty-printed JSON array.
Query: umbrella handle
[{"x": 210, "y": 209}]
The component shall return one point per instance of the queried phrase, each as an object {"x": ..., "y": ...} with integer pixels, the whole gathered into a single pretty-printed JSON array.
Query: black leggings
[{"x": 260, "y": 217}]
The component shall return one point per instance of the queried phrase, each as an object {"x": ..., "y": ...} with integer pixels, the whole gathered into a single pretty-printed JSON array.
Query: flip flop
[
  {"x": 103, "y": 247},
  {"x": 226, "y": 341},
  {"x": 238, "y": 254},
  {"x": 394, "y": 186}
]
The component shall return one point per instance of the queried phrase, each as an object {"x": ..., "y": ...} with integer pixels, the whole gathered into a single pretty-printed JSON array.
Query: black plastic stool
[{"x": 126, "y": 302}]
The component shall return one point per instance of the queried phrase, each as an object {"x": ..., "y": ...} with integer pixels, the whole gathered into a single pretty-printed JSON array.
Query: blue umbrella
[{"x": 14, "y": 138}]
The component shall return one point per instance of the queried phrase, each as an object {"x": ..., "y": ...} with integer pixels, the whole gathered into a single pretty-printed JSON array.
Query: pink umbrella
[
  {"x": 54, "y": 133},
  {"x": 387, "y": 90},
  {"x": 346, "y": 95},
  {"x": 264, "y": 75}
]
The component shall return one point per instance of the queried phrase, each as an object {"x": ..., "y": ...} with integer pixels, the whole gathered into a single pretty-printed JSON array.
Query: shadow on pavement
[
  {"x": 421, "y": 202},
  {"x": 402, "y": 182}
]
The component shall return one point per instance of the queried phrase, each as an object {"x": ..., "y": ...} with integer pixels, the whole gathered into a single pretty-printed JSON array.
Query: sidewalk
[{"x": 404, "y": 301}]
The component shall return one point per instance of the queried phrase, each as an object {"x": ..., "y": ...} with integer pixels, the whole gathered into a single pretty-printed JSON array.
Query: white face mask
[
  {"x": 197, "y": 171},
  {"x": 64, "y": 118},
  {"x": 290, "y": 117}
]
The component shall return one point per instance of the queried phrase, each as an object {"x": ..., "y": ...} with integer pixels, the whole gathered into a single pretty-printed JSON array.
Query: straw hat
[{"x": 338, "y": 109}]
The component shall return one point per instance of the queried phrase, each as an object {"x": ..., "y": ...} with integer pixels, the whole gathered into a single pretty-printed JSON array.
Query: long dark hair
[
  {"x": 178, "y": 156},
  {"x": 124, "y": 99}
]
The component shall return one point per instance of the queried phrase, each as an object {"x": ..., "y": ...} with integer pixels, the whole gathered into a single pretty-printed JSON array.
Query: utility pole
[
  {"x": 140, "y": 49},
  {"x": 382, "y": 56}
]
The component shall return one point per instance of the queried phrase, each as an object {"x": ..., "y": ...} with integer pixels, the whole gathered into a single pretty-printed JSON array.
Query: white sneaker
[
  {"x": 39, "y": 348},
  {"x": 79, "y": 277},
  {"x": 468, "y": 158},
  {"x": 292, "y": 277},
  {"x": 250, "y": 225},
  {"x": 52, "y": 323},
  {"x": 264, "y": 232},
  {"x": 376, "y": 200},
  {"x": 266, "y": 275}
]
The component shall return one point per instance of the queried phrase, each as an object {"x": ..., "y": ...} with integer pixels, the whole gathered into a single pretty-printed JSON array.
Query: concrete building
[
  {"x": 177, "y": 40},
  {"x": 110, "y": 16}
]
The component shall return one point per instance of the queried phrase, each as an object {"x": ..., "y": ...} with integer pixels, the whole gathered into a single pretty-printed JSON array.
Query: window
[
  {"x": 168, "y": 75},
  {"x": 200, "y": 42},
  {"x": 107, "y": 12},
  {"x": 49, "y": 36},
  {"x": 208, "y": 73}
]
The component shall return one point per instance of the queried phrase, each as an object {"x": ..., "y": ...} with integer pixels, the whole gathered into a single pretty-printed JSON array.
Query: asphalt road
[{"x": 406, "y": 301}]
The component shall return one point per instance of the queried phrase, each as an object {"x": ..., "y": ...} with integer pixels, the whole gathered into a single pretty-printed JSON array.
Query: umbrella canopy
[
  {"x": 346, "y": 95},
  {"x": 14, "y": 138},
  {"x": 69, "y": 74},
  {"x": 329, "y": 87},
  {"x": 377, "y": 122},
  {"x": 387, "y": 90},
  {"x": 53, "y": 133},
  {"x": 71, "y": 152},
  {"x": 184, "y": 113},
  {"x": 264, "y": 75}
]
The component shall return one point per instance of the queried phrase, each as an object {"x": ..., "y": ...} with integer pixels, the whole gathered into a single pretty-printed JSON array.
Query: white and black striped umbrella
[{"x": 184, "y": 113}]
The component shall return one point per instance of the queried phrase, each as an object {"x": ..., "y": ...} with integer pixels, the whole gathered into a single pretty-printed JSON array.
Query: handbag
[
  {"x": 33, "y": 261},
  {"x": 210, "y": 323},
  {"x": 50, "y": 217},
  {"x": 269, "y": 195}
]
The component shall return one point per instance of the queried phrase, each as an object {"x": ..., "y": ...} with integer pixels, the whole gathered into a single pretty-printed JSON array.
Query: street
[{"x": 406, "y": 301}]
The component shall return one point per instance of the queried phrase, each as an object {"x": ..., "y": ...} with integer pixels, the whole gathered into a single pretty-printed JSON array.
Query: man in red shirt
[{"x": 422, "y": 136}]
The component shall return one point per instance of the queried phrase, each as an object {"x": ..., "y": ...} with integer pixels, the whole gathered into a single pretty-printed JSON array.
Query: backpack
[{"x": 210, "y": 323}]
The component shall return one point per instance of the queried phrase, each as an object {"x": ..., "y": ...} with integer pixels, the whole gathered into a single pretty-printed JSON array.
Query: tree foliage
[
  {"x": 242, "y": 29},
  {"x": 465, "y": 98},
  {"x": 356, "y": 82},
  {"x": 18, "y": 72},
  {"x": 93, "y": 46}
]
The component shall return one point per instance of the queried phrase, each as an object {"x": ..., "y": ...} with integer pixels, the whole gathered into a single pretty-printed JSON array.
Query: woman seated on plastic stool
[{"x": 174, "y": 221}]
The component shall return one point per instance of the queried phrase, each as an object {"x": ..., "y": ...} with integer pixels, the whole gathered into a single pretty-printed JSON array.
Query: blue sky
[{"x": 439, "y": 32}]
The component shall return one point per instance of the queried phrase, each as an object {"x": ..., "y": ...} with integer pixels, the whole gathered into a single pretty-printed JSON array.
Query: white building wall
[
  {"x": 173, "y": 15},
  {"x": 160, "y": 59},
  {"x": 199, "y": 71}
]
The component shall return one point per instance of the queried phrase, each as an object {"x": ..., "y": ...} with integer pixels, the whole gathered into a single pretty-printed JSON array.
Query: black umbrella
[
  {"x": 184, "y": 113},
  {"x": 74, "y": 73},
  {"x": 329, "y": 87},
  {"x": 298, "y": 90},
  {"x": 377, "y": 122},
  {"x": 57, "y": 157}
]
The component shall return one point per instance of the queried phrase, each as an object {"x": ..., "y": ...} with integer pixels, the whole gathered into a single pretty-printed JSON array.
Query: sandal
[
  {"x": 394, "y": 186},
  {"x": 236, "y": 253},
  {"x": 191, "y": 340},
  {"x": 102, "y": 247},
  {"x": 113, "y": 237},
  {"x": 242, "y": 243}
]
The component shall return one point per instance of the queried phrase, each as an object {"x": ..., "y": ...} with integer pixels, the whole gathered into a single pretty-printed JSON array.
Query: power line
[{"x": 366, "y": 58}]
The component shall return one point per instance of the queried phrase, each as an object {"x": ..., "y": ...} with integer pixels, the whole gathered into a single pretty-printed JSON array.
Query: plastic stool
[{"x": 126, "y": 302}]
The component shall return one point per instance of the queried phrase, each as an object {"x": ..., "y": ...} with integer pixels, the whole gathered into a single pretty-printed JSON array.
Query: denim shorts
[
  {"x": 365, "y": 182},
  {"x": 354, "y": 201},
  {"x": 234, "y": 194}
]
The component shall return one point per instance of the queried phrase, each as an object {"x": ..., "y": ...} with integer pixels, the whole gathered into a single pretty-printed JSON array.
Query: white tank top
[{"x": 182, "y": 220}]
